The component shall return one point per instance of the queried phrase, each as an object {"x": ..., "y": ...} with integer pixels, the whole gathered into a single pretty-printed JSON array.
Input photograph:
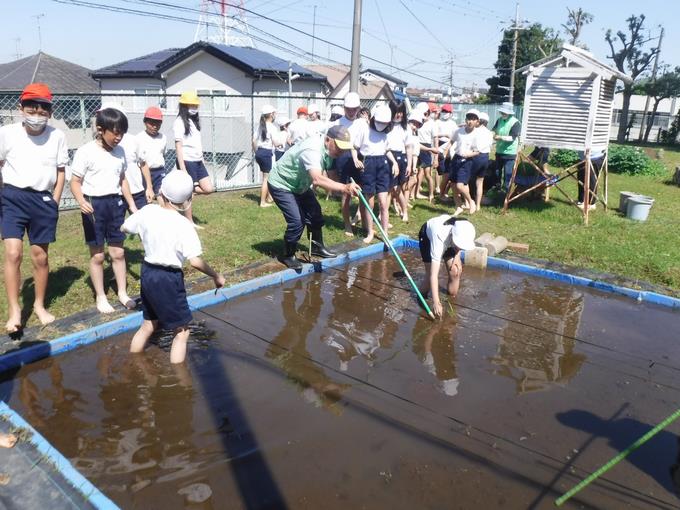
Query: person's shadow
[
  {"x": 60, "y": 282},
  {"x": 659, "y": 457}
]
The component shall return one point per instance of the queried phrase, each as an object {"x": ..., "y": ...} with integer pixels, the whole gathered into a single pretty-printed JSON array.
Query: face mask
[
  {"x": 192, "y": 111},
  {"x": 35, "y": 122},
  {"x": 380, "y": 126},
  {"x": 445, "y": 116}
]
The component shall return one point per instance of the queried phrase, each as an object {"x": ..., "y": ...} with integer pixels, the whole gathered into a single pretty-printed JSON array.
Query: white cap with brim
[
  {"x": 337, "y": 110},
  {"x": 112, "y": 106},
  {"x": 484, "y": 116},
  {"x": 416, "y": 116},
  {"x": 352, "y": 100},
  {"x": 463, "y": 235},
  {"x": 282, "y": 120},
  {"x": 313, "y": 108},
  {"x": 472, "y": 111},
  {"x": 507, "y": 108},
  {"x": 267, "y": 109},
  {"x": 382, "y": 113},
  {"x": 177, "y": 186}
]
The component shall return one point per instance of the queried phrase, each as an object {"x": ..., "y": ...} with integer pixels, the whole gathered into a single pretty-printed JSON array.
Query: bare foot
[
  {"x": 14, "y": 322},
  {"x": 458, "y": 211},
  {"x": 368, "y": 238},
  {"x": 198, "y": 227},
  {"x": 349, "y": 232},
  {"x": 127, "y": 301},
  {"x": 4, "y": 479},
  {"x": 473, "y": 208},
  {"x": 44, "y": 316},
  {"x": 419, "y": 195},
  {"x": 266, "y": 204},
  {"x": 7, "y": 440},
  {"x": 430, "y": 198},
  {"x": 404, "y": 218},
  {"x": 104, "y": 306}
]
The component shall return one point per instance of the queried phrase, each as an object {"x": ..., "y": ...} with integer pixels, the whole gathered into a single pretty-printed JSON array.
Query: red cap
[
  {"x": 37, "y": 92},
  {"x": 153, "y": 113},
  {"x": 433, "y": 107},
  {"x": 302, "y": 109},
  {"x": 448, "y": 107}
]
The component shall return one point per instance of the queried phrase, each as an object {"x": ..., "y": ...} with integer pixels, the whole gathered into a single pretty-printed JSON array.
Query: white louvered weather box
[{"x": 568, "y": 101}]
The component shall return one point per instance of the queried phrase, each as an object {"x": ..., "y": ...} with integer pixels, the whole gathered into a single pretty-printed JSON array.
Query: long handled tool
[
  {"x": 559, "y": 501},
  {"x": 394, "y": 252}
]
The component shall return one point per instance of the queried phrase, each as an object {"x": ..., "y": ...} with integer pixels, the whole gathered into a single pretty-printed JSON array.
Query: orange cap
[
  {"x": 37, "y": 92},
  {"x": 432, "y": 107},
  {"x": 302, "y": 109},
  {"x": 153, "y": 113}
]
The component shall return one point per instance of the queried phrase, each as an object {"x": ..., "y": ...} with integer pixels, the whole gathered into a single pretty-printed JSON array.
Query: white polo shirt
[
  {"x": 268, "y": 142},
  {"x": 168, "y": 237},
  {"x": 32, "y": 161},
  {"x": 397, "y": 138},
  {"x": 298, "y": 130},
  {"x": 426, "y": 132},
  {"x": 133, "y": 173},
  {"x": 100, "y": 170},
  {"x": 463, "y": 141},
  {"x": 371, "y": 142},
  {"x": 440, "y": 236},
  {"x": 355, "y": 128},
  {"x": 192, "y": 147},
  {"x": 152, "y": 149},
  {"x": 484, "y": 139}
]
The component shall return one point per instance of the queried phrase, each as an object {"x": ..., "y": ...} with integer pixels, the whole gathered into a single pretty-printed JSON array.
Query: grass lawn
[{"x": 238, "y": 232}]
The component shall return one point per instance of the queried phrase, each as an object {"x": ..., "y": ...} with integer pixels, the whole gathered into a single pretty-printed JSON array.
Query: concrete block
[
  {"x": 476, "y": 257},
  {"x": 496, "y": 245},
  {"x": 484, "y": 238}
]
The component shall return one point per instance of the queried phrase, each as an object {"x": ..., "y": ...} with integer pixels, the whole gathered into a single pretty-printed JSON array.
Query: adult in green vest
[
  {"x": 506, "y": 133},
  {"x": 290, "y": 182}
]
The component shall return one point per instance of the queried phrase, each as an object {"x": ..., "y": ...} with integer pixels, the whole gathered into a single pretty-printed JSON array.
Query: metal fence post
[
  {"x": 83, "y": 117},
  {"x": 212, "y": 131}
]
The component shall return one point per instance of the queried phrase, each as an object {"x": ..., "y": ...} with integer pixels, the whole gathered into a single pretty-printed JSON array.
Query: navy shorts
[
  {"x": 197, "y": 170},
  {"x": 157, "y": 175},
  {"x": 377, "y": 175},
  {"x": 479, "y": 165},
  {"x": 164, "y": 298},
  {"x": 345, "y": 167},
  {"x": 424, "y": 244},
  {"x": 26, "y": 210},
  {"x": 140, "y": 200},
  {"x": 104, "y": 225},
  {"x": 425, "y": 157},
  {"x": 263, "y": 157},
  {"x": 461, "y": 169},
  {"x": 402, "y": 163}
]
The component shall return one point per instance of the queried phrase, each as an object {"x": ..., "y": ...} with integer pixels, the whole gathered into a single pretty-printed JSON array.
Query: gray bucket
[
  {"x": 623, "y": 200},
  {"x": 638, "y": 207}
]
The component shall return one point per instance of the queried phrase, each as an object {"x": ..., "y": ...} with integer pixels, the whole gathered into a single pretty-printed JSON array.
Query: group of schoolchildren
[{"x": 114, "y": 174}]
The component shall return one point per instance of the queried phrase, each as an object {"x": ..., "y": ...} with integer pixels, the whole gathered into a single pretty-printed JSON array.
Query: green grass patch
[{"x": 238, "y": 232}]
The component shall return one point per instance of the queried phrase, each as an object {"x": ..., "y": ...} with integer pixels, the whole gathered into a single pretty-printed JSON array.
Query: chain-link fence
[{"x": 227, "y": 126}]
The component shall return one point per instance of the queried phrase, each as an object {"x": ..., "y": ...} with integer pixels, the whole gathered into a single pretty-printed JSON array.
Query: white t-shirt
[
  {"x": 133, "y": 173},
  {"x": 298, "y": 130},
  {"x": 152, "y": 150},
  {"x": 268, "y": 142},
  {"x": 192, "y": 147},
  {"x": 414, "y": 143},
  {"x": 484, "y": 139},
  {"x": 397, "y": 138},
  {"x": 32, "y": 161},
  {"x": 371, "y": 142},
  {"x": 316, "y": 127},
  {"x": 280, "y": 140},
  {"x": 440, "y": 236},
  {"x": 355, "y": 128},
  {"x": 463, "y": 141},
  {"x": 445, "y": 128},
  {"x": 426, "y": 132},
  {"x": 168, "y": 237},
  {"x": 100, "y": 169}
]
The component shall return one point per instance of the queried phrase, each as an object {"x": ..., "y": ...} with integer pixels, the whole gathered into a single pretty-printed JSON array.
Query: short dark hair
[
  {"x": 32, "y": 103},
  {"x": 111, "y": 119}
]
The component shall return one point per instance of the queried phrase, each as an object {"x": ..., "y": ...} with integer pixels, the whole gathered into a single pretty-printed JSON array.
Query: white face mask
[
  {"x": 192, "y": 111},
  {"x": 380, "y": 126},
  {"x": 35, "y": 122},
  {"x": 445, "y": 116}
]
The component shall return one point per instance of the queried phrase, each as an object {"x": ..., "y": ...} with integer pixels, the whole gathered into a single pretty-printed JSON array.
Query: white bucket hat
[
  {"x": 463, "y": 235},
  {"x": 352, "y": 100},
  {"x": 507, "y": 108},
  {"x": 382, "y": 114},
  {"x": 177, "y": 187}
]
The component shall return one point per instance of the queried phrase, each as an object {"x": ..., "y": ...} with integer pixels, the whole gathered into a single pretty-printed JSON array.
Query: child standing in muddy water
[
  {"x": 169, "y": 239},
  {"x": 443, "y": 238}
]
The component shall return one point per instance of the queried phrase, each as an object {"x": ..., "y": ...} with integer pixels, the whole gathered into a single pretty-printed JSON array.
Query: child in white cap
[
  {"x": 480, "y": 163},
  {"x": 263, "y": 146},
  {"x": 169, "y": 239},
  {"x": 442, "y": 239}
]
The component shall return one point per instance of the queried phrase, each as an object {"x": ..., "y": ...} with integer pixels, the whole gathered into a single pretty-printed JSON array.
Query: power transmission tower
[{"x": 220, "y": 25}]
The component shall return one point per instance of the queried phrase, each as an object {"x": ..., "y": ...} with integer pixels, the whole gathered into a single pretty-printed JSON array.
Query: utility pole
[
  {"x": 514, "y": 53},
  {"x": 356, "y": 48},
  {"x": 291, "y": 77},
  {"x": 17, "y": 43},
  {"x": 654, "y": 69},
  {"x": 313, "y": 32},
  {"x": 37, "y": 19}
]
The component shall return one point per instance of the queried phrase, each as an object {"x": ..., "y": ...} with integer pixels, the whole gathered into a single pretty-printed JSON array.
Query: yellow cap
[{"x": 189, "y": 98}]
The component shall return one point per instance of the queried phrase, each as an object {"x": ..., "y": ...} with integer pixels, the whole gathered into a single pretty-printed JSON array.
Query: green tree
[
  {"x": 664, "y": 87},
  {"x": 576, "y": 20},
  {"x": 630, "y": 59},
  {"x": 534, "y": 43}
]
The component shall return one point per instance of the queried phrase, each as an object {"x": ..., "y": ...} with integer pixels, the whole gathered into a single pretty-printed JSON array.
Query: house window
[
  {"x": 218, "y": 98},
  {"x": 145, "y": 97}
]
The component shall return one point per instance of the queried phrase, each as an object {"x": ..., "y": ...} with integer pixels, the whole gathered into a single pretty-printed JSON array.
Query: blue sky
[{"x": 394, "y": 31}]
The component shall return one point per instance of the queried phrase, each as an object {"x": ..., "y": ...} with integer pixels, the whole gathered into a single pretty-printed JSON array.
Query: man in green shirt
[
  {"x": 290, "y": 182},
  {"x": 506, "y": 133}
]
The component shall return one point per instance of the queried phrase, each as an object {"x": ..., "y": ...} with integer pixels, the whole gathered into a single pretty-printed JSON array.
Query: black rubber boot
[
  {"x": 318, "y": 248},
  {"x": 289, "y": 256}
]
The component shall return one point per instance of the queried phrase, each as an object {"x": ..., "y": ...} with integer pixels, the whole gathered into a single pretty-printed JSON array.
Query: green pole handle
[
  {"x": 559, "y": 501},
  {"x": 394, "y": 252}
]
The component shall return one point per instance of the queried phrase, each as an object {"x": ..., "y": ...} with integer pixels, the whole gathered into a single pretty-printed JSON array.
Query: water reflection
[
  {"x": 535, "y": 359},
  {"x": 289, "y": 348},
  {"x": 433, "y": 344}
]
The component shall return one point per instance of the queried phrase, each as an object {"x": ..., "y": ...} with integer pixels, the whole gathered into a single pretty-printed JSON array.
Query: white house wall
[{"x": 206, "y": 72}]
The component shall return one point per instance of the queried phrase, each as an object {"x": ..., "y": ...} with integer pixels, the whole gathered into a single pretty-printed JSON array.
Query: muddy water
[{"x": 335, "y": 392}]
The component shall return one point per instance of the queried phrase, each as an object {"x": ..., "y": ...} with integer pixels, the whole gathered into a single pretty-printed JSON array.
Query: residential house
[{"x": 370, "y": 90}]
